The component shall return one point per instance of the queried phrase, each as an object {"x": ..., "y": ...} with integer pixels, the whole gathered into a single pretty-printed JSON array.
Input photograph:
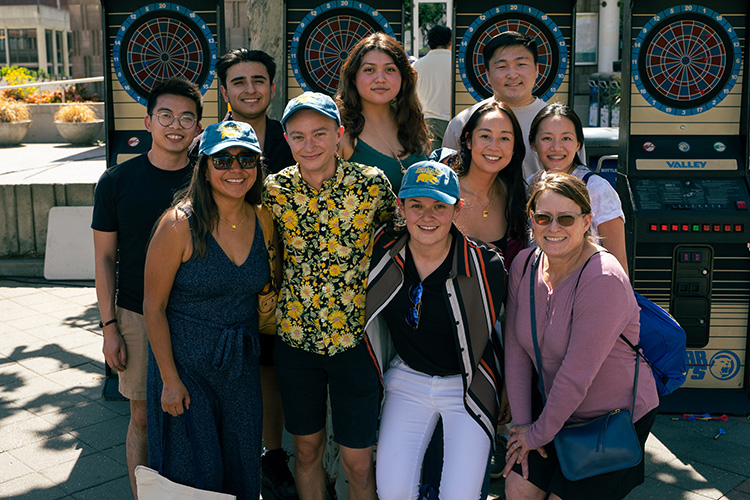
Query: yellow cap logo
[
  {"x": 428, "y": 174},
  {"x": 229, "y": 129}
]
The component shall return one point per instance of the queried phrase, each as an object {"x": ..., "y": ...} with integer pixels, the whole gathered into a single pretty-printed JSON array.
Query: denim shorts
[{"x": 351, "y": 380}]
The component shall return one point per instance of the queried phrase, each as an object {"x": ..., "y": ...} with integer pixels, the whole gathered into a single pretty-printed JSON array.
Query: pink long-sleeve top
[{"x": 588, "y": 370}]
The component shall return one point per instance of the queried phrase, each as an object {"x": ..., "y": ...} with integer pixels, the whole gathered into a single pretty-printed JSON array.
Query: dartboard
[
  {"x": 159, "y": 41},
  {"x": 322, "y": 41},
  {"x": 686, "y": 60},
  {"x": 552, "y": 49}
]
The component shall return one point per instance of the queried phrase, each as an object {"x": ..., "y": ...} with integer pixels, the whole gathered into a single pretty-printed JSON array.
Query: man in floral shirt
[{"x": 326, "y": 210}]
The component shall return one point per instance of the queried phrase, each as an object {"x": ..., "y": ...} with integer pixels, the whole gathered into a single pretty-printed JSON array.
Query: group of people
[{"x": 403, "y": 284}]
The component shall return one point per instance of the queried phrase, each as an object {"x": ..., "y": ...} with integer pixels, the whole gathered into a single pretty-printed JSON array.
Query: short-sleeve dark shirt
[
  {"x": 431, "y": 347},
  {"x": 129, "y": 199}
]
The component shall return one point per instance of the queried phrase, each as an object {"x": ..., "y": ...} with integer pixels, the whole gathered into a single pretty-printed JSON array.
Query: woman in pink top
[{"x": 583, "y": 302}]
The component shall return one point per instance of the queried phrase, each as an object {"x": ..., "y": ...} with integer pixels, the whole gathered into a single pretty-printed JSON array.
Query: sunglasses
[
  {"x": 224, "y": 161},
  {"x": 412, "y": 315},
  {"x": 565, "y": 220}
]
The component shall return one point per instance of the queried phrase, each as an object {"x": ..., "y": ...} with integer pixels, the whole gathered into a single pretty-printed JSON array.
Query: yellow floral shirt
[{"x": 327, "y": 240}]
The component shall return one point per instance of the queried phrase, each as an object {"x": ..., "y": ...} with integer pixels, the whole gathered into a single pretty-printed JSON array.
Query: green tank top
[{"x": 367, "y": 155}]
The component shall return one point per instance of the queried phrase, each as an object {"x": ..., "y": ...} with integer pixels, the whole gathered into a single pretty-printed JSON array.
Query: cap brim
[
  {"x": 300, "y": 107},
  {"x": 427, "y": 193}
]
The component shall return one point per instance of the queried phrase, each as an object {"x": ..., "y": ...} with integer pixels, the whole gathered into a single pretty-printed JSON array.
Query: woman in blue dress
[{"x": 206, "y": 263}]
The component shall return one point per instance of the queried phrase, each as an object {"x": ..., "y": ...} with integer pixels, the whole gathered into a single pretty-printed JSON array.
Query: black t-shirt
[
  {"x": 129, "y": 199},
  {"x": 431, "y": 347}
]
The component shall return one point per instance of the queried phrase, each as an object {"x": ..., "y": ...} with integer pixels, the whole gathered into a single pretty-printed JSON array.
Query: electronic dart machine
[
  {"x": 550, "y": 22},
  {"x": 146, "y": 42},
  {"x": 684, "y": 150},
  {"x": 321, "y": 34}
]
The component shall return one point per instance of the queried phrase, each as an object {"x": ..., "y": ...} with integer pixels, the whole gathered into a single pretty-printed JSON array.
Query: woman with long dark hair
[
  {"x": 489, "y": 167},
  {"x": 210, "y": 255},
  {"x": 380, "y": 111}
]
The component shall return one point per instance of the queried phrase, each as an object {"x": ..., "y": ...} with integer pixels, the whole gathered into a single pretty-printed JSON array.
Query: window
[
  {"x": 50, "y": 52},
  {"x": 3, "y": 61},
  {"x": 23, "y": 46}
]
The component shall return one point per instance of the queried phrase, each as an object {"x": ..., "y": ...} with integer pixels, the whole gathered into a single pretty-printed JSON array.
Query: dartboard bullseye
[
  {"x": 324, "y": 38},
  {"x": 686, "y": 60},
  {"x": 159, "y": 41},
  {"x": 552, "y": 49}
]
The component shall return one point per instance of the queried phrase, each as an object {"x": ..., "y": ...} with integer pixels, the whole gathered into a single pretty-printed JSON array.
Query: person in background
[
  {"x": 326, "y": 210},
  {"x": 434, "y": 83},
  {"x": 377, "y": 97},
  {"x": 511, "y": 62},
  {"x": 246, "y": 83},
  {"x": 206, "y": 263},
  {"x": 583, "y": 302},
  {"x": 129, "y": 199},
  {"x": 433, "y": 298},
  {"x": 556, "y": 135}
]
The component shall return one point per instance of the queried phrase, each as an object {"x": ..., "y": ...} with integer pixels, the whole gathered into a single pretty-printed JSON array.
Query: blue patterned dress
[{"x": 213, "y": 321}]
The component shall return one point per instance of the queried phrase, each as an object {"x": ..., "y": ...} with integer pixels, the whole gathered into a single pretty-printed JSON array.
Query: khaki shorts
[{"x": 133, "y": 330}]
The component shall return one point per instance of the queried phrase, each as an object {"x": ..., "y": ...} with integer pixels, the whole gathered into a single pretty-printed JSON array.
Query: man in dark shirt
[{"x": 129, "y": 199}]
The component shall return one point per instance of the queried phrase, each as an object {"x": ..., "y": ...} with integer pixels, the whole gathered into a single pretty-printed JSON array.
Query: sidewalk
[{"x": 60, "y": 439}]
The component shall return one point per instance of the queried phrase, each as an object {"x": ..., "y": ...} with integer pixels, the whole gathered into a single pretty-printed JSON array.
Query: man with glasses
[
  {"x": 129, "y": 199},
  {"x": 326, "y": 210}
]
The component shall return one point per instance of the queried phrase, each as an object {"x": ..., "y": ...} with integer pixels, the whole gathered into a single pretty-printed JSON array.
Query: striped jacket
[{"x": 474, "y": 295}]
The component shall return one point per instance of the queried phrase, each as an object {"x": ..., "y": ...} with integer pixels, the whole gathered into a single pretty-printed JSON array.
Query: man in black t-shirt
[{"x": 129, "y": 199}]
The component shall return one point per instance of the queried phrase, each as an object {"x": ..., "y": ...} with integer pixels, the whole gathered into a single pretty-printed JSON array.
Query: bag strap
[
  {"x": 197, "y": 474},
  {"x": 532, "y": 280}
]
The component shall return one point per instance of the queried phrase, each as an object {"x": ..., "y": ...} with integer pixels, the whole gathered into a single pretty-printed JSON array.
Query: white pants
[{"x": 413, "y": 403}]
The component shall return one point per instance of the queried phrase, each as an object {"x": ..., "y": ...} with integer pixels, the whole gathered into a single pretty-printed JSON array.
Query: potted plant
[
  {"x": 77, "y": 123},
  {"x": 14, "y": 121}
]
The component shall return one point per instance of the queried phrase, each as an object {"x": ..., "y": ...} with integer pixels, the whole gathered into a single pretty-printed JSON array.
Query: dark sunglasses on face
[
  {"x": 224, "y": 161},
  {"x": 565, "y": 220},
  {"x": 166, "y": 119},
  {"x": 413, "y": 314}
]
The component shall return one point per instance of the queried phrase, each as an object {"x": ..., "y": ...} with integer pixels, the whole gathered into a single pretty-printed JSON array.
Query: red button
[
  {"x": 684, "y": 256},
  {"x": 697, "y": 257},
  {"x": 727, "y": 228},
  {"x": 653, "y": 227},
  {"x": 717, "y": 228},
  {"x": 685, "y": 227},
  {"x": 664, "y": 227},
  {"x": 741, "y": 205},
  {"x": 738, "y": 228},
  {"x": 675, "y": 227},
  {"x": 706, "y": 228}
]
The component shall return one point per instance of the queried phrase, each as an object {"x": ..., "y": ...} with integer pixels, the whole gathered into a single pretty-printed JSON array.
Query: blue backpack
[{"x": 663, "y": 346}]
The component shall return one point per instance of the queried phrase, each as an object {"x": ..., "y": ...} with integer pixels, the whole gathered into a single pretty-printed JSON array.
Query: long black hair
[{"x": 512, "y": 174}]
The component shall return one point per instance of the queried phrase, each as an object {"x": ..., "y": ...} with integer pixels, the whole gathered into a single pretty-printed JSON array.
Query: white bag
[{"x": 152, "y": 486}]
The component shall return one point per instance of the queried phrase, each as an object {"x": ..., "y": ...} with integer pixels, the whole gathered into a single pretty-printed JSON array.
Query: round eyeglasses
[{"x": 166, "y": 119}]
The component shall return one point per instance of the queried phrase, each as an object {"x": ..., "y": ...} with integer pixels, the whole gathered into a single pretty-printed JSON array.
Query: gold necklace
[
  {"x": 485, "y": 210},
  {"x": 235, "y": 226},
  {"x": 392, "y": 151}
]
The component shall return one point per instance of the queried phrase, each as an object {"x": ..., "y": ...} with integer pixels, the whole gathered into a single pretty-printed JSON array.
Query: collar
[{"x": 329, "y": 184}]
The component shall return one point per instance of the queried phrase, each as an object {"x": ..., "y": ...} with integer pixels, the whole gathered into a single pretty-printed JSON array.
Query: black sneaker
[
  {"x": 498, "y": 456},
  {"x": 277, "y": 482}
]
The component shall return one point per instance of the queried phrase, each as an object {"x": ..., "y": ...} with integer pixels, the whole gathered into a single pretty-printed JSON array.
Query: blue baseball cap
[
  {"x": 430, "y": 179},
  {"x": 312, "y": 100},
  {"x": 220, "y": 136}
]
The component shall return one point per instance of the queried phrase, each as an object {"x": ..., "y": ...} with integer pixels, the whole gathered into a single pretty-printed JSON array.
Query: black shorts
[
  {"x": 351, "y": 380},
  {"x": 545, "y": 473},
  {"x": 267, "y": 343}
]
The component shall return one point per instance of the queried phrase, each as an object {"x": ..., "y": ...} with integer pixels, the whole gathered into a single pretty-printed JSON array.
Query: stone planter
[
  {"x": 12, "y": 133},
  {"x": 79, "y": 133}
]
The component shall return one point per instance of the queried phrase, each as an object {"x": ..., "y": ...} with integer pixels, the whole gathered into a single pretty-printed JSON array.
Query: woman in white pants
[{"x": 433, "y": 299}]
